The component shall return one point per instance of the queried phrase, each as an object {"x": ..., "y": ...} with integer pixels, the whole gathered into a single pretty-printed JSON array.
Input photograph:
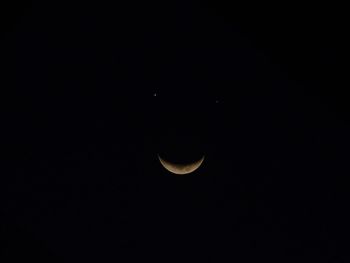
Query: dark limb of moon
[{"x": 181, "y": 168}]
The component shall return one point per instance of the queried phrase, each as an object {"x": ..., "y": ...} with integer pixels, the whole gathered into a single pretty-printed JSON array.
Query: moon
[{"x": 181, "y": 168}]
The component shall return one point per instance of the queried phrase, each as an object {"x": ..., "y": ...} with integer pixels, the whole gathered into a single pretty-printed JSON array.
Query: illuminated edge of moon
[{"x": 181, "y": 168}]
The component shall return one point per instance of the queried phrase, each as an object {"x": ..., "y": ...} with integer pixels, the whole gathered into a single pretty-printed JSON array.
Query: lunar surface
[{"x": 181, "y": 168}]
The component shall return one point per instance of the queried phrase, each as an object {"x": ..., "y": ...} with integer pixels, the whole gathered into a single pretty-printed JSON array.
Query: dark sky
[{"x": 96, "y": 91}]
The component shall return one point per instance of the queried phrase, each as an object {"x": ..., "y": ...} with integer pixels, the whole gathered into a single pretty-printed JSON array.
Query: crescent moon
[{"x": 181, "y": 168}]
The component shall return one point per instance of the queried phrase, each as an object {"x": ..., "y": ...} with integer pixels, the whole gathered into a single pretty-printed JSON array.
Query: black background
[{"x": 259, "y": 90}]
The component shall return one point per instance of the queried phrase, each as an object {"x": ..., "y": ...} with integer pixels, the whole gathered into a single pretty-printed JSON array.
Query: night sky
[{"x": 95, "y": 91}]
